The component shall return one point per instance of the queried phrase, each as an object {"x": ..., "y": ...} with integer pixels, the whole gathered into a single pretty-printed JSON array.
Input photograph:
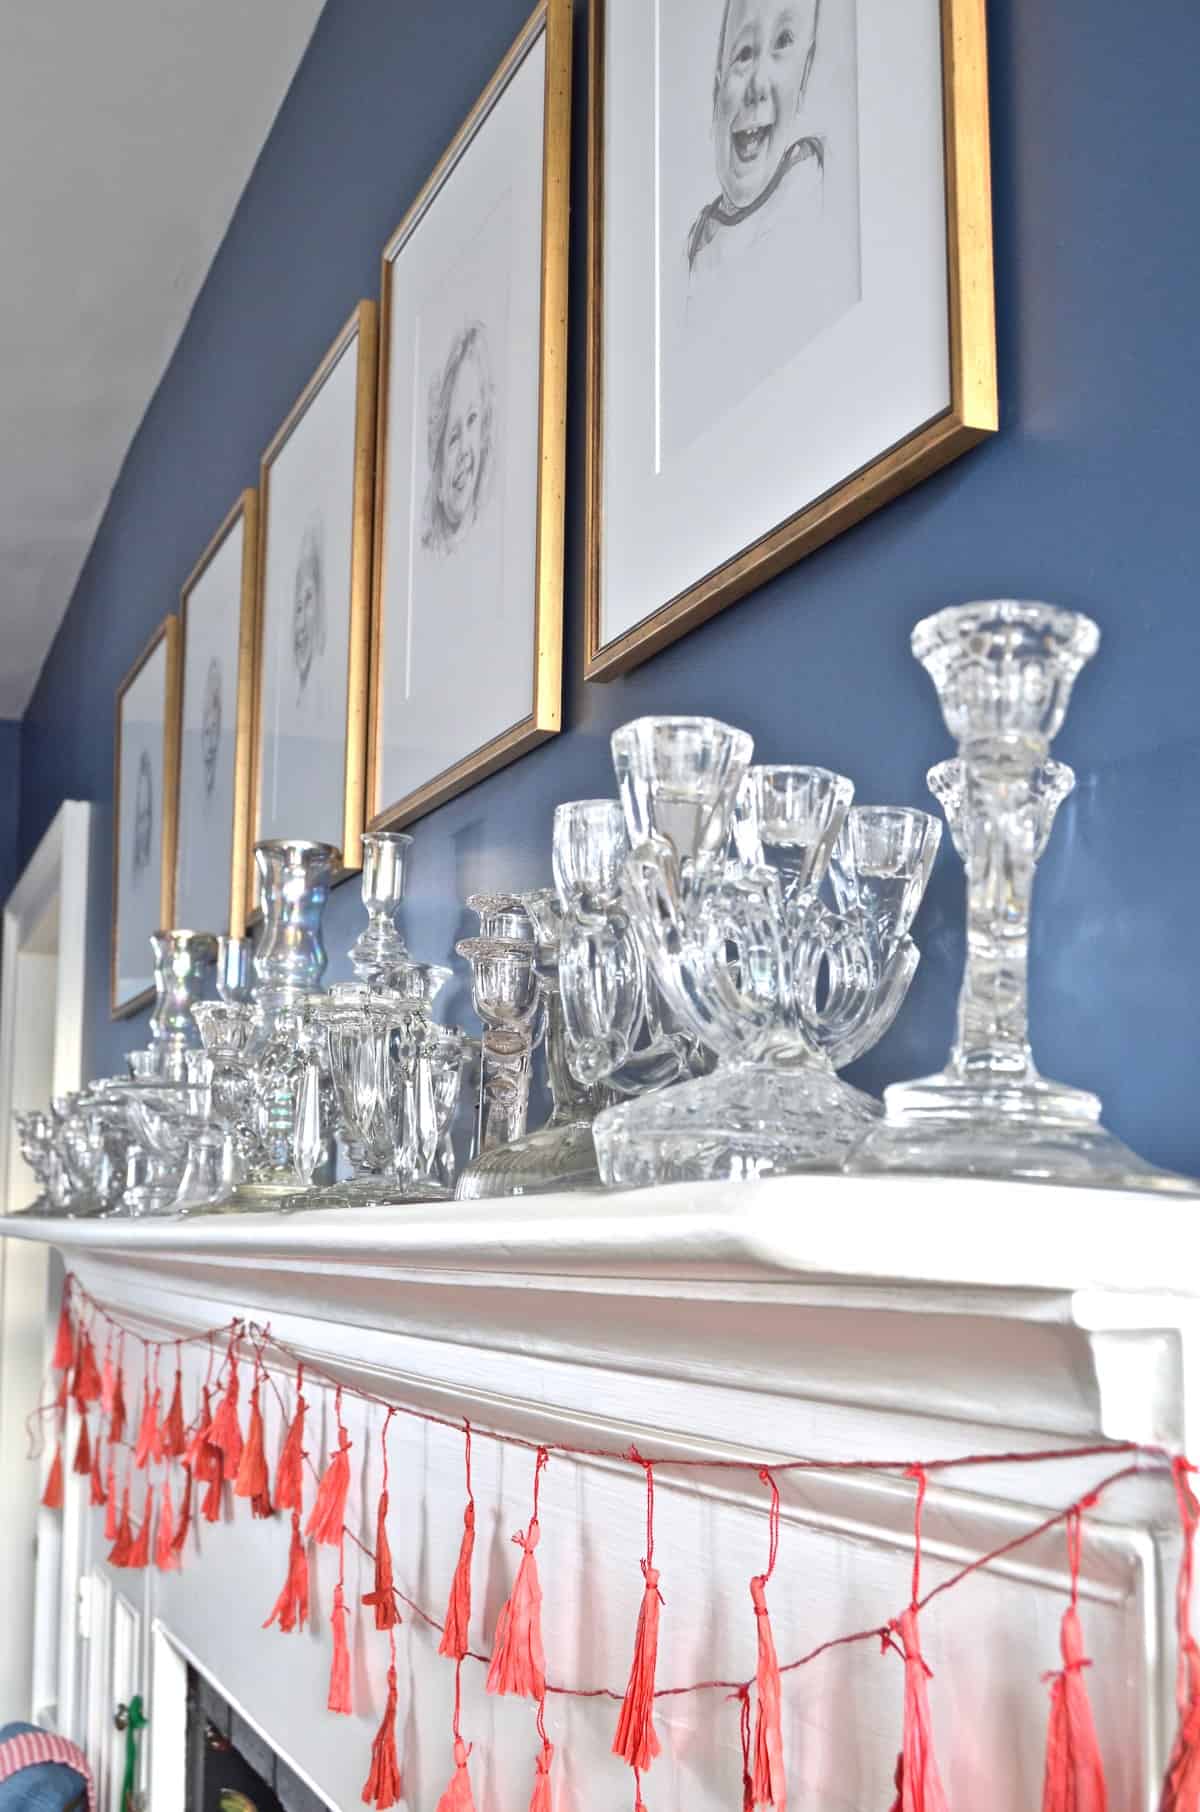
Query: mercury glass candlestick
[
  {"x": 1004, "y": 673},
  {"x": 235, "y": 970},
  {"x": 181, "y": 959}
]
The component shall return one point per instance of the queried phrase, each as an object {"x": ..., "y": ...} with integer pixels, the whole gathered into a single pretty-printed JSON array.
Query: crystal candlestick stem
[{"x": 1004, "y": 674}]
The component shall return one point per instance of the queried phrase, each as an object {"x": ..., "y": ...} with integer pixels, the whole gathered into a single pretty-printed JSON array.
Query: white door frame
[{"x": 58, "y": 874}]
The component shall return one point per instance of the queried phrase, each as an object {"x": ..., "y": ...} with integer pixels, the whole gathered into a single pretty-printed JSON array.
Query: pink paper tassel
[
  {"x": 339, "y": 1673},
  {"x": 290, "y": 1611},
  {"x": 328, "y": 1517},
  {"x": 768, "y": 1782},
  {"x": 458, "y": 1796},
  {"x": 636, "y": 1741},
  {"x": 383, "y": 1786},
  {"x": 518, "y": 1660},
  {"x": 166, "y": 1557},
  {"x": 918, "y": 1783}
]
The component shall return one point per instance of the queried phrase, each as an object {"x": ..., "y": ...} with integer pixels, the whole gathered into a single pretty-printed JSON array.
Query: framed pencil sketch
[
  {"x": 216, "y": 626},
  {"x": 313, "y": 621},
  {"x": 790, "y": 292},
  {"x": 145, "y": 784},
  {"x": 467, "y": 609}
]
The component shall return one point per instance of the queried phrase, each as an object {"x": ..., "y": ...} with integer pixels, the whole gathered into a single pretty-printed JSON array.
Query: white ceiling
[{"x": 128, "y": 129}]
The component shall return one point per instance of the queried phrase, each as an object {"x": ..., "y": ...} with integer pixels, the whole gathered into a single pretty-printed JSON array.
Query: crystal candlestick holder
[
  {"x": 559, "y": 1155},
  {"x": 1004, "y": 673},
  {"x": 380, "y": 946},
  {"x": 507, "y": 996},
  {"x": 235, "y": 970}
]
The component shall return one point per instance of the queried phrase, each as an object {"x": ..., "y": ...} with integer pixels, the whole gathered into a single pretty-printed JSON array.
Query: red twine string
[
  {"x": 1074, "y": 1779},
  {"x": 518, "y": 1658},
  {"x": 636, "y": 1740},
  {"x": 455, "y": 1639},
  {"x": 458, "y": 1796},
  {"x": 918, "y": 1783}
]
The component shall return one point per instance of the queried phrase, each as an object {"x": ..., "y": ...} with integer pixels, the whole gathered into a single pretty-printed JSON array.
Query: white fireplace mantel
[{"x": 823, "y": 1317}]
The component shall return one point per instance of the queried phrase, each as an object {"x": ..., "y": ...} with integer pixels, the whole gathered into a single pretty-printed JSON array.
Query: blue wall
[
  {"x": 1086, "y": 498},
  {"x": 10, "y": 805}
]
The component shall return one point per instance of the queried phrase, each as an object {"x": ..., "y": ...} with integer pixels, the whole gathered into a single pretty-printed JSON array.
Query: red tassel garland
[
  {"x": 225, "y": 1432},
  {"x": 139, "y": 1547},
  {"x": 251, "y": 1480},
  {"x": 97, "y": 1496},
  {"x": 290, "y": 1611},
  {"x": 458, "y": 1796},
  {"x": 110, "y": 1500},
  {"x": 166, "y": 1556},
  {"x": 174, "y": 1440},
  {"x": 85, "y": 1386},
  {"x": 205, "y": 1463},
  {"x": 289, "y": 1475},
  {"x": 82, "y": 1463},
  {"x": 636, "y": 1740},
  {"x": 339, "y": 1673},
  {"x": 108, "y": 1382},
  {"x": 185, "y": 1517},
  {"x": 52, "y": 1496},
  {"x": 518, "y": 1658},
  {"x": 64, "y": 1339},
  {"x": 383, "y": 1598},
  {"x": 329, "y": 1512},
  {"x": 1074, "y": 1779},
  {"x": 455, "y": 1641},
  {"x": 383, "y": 1786},
  {"x": 147, "y": 1437}
]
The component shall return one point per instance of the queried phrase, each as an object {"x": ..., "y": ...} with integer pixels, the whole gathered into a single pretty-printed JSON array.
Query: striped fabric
[{"x": 34, "y": 1746}]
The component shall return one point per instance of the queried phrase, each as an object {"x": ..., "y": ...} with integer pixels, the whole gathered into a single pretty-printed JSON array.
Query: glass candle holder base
[
  {"x": 541, "y": 1163},
  {"x": 1032, "y": 1130},
  {"x": 737, "y": 1124}
]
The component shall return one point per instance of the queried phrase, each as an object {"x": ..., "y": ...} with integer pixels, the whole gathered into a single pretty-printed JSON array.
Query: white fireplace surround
[{"x": 822, "y": 1317}]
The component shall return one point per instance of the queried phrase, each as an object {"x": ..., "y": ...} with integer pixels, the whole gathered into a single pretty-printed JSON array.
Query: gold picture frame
[
  {"x": 544, "y": 717},
  {"x": 973, "y": 411},
  {"x": 245, "y": 512},
  {"x": 361, "y": 328},
  {"x": 166, "y": 637}
]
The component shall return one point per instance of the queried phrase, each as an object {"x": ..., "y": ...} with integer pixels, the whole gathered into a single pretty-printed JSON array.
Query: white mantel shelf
[{"x": 898, "y": 1231}]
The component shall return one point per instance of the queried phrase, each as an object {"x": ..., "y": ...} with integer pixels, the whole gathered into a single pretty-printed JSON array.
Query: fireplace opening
[{"x": 230, "y": 1767}]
